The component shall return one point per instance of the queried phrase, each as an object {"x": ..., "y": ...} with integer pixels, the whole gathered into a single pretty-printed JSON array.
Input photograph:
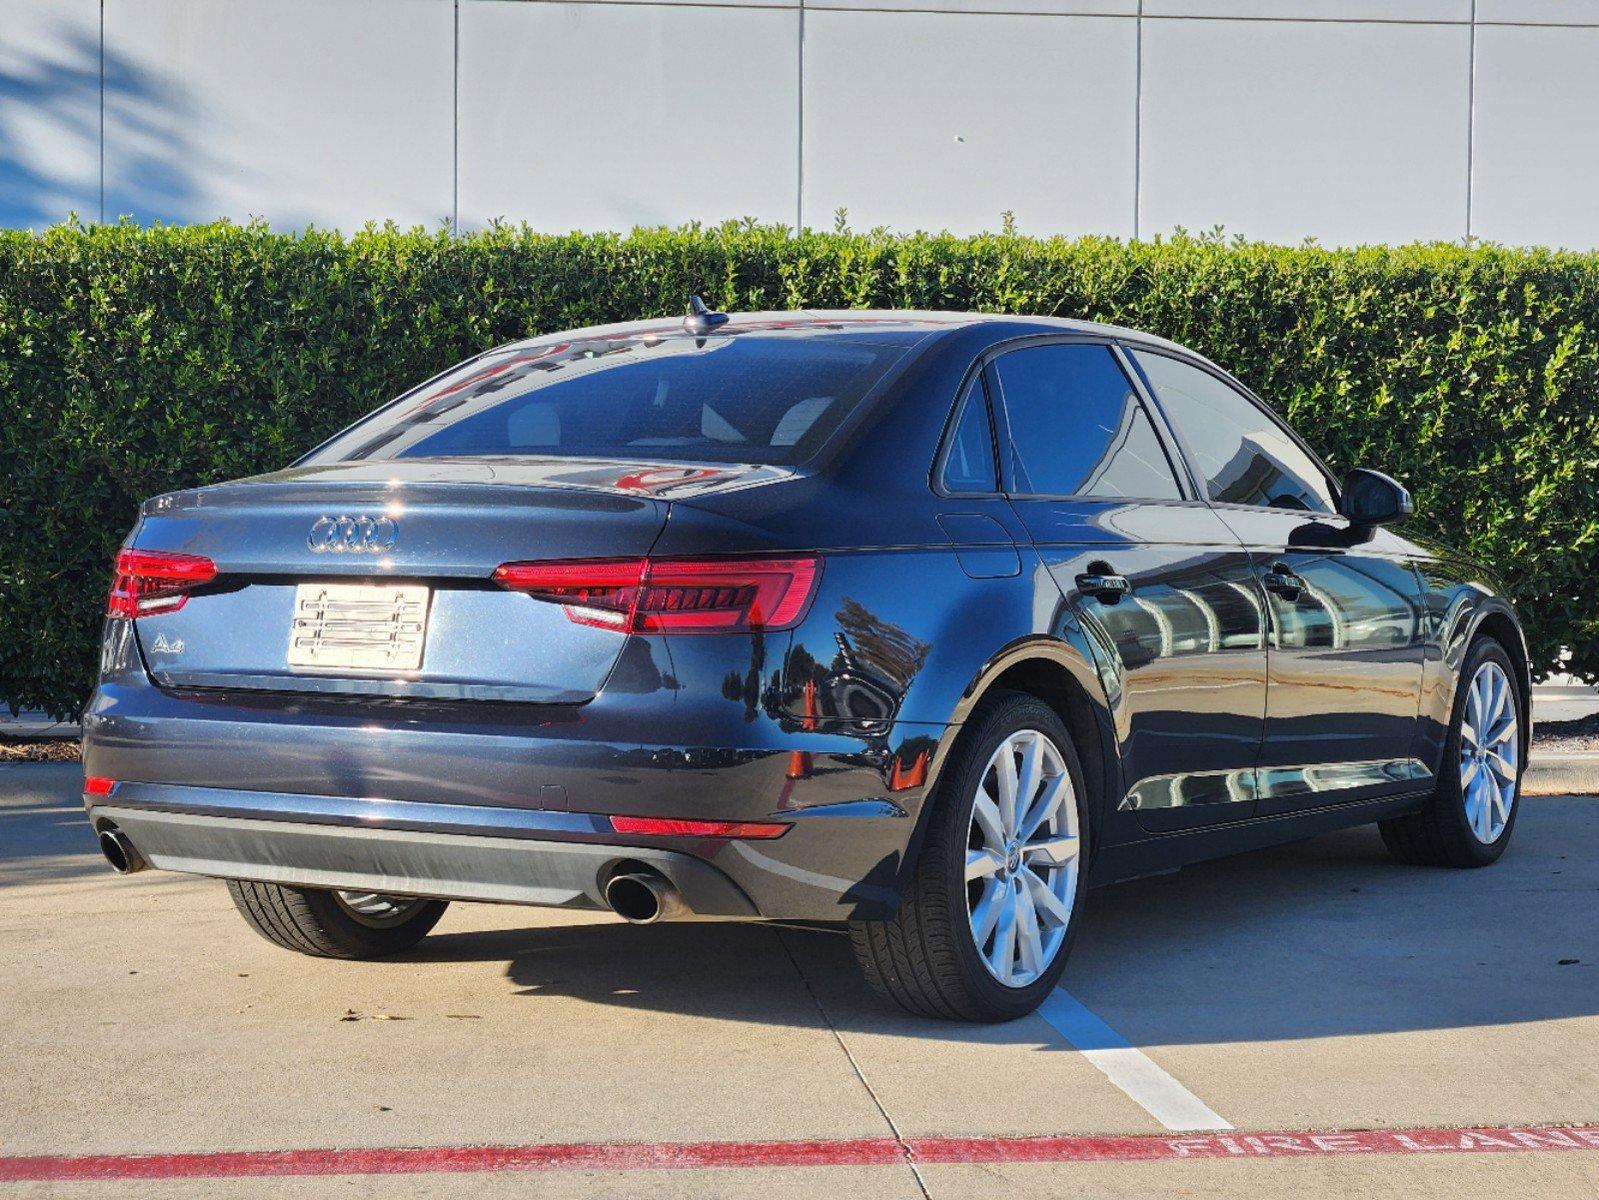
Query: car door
[
  {"x": 1346, "y": 636},
  {"x": 1161, "y": 585}
]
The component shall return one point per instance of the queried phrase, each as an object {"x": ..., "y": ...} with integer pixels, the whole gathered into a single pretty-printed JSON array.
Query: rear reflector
[
  {"x": 98, "y": 785},
  {"x": 148, "y": 582},
  {"x": 667, "y": 827},
  {"x": 672, "y": 595}
]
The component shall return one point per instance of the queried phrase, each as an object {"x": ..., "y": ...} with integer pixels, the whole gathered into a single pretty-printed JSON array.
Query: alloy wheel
[
  {"x": 1489, "y": 753},
  {"x": 377, "y": 910},
  {"x": 1022, "y": 858}
]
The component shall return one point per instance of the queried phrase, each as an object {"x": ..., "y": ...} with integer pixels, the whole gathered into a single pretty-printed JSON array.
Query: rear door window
[
  {"x": 1244, "y": 455},
  {"x": 969, "y": 465},
  {"x": 1078, "y": 428}
]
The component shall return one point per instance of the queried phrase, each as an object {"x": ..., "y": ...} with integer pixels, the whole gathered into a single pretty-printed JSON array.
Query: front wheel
[
  {"x": 1470, "y": 816},
  {"x": 990, "y": 912},
  {"x": 328, "y": 924}
]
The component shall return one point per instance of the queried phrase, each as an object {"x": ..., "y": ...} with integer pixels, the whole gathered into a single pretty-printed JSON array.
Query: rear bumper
[
  {"x": 470, "y": 803},
  {"x": 203, "y": 831}
]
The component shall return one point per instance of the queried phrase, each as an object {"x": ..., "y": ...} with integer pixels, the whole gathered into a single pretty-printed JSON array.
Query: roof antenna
[{"x": 701, "y": 320}]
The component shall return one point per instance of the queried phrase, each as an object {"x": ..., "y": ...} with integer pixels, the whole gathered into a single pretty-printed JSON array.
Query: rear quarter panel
[{"x": 901, "y": 641}]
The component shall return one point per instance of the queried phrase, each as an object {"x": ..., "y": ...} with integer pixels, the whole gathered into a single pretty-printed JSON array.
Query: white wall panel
[
  {"x": 1099, "y": 8},
  {"x": 333, "y": 112},
  {"x": 1344, "y": 120},
  {"x": 1323, "y": 10},
  {"x": 1567, "y": 12},
  {"x": 49, "y": 111},
  {"x": 667, "y": 3},
  {"x": 1285, "y": 130},
  {"x": 943, "y": 121},
  {"x": 603, "y": 116},
  {"x": 1537, "y": 178}
]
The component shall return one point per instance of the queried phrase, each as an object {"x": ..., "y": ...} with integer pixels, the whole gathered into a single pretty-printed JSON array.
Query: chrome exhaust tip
[
  {"x": 119, "y": 852},
  {"x": 643, "y": 898}
]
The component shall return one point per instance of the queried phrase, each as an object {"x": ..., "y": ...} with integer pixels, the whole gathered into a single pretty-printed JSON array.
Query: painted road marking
[
  {"x": 655, "y": 1156},
  {"x": 1128, "y": 1067}
]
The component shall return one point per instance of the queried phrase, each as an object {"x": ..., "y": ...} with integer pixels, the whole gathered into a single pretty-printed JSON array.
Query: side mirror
[{"x": 1371, "y": 498}]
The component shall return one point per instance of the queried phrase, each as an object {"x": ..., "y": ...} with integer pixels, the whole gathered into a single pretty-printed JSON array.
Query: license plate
[{"x": 362, "y": 627}]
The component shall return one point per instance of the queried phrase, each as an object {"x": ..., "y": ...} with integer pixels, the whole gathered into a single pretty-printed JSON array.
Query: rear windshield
[{"x": 757, "y": 397}]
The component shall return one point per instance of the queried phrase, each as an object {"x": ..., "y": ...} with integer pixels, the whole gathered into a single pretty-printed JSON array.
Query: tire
[
  {"x": 328, "y": 924},
  {"x": 927, "y": 958},
  {"x": 1443, "y": 834}
]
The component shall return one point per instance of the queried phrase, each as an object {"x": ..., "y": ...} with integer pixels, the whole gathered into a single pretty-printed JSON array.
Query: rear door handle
[
  {"x": 1105, "y": 588},
  {"x": 1284, "y": 582}
]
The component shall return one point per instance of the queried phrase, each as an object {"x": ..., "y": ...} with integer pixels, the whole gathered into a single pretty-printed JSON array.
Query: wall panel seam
[
  {"x": 101, "y": 216},
  {"x": 799, "y": 133},
  {"x": 455, "y": 128},
  {"x": 1471, "y": 122},
  {"x": 1138, "y": 124}
]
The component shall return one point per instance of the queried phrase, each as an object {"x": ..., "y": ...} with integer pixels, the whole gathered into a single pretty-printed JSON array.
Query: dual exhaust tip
[
  {"x": 645, "y": 897},
  {"x": 119, "y": 852}
]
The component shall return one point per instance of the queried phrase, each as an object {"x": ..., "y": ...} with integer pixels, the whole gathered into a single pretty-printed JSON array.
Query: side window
[
  {"x": 969, "y": 462},
  {"x": 1244, "y": 456},
  {"x": 1077, "y": 428}
]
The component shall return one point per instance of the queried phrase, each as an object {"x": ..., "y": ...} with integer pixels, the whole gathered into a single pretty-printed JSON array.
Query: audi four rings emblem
[{"x": 352, "y": 535}]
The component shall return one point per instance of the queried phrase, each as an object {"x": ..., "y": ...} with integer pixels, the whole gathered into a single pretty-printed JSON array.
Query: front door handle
[
  {"x": 1105, "y": 587},
  {"x": 1283, "y": 582}
]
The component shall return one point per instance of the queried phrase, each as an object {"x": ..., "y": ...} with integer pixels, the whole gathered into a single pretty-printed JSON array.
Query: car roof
[{"x": 859, "y": 319}]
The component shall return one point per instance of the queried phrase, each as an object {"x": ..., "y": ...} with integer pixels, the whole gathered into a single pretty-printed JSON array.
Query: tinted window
[
  {"x": 1077, "y": 427},
  {"x": 1244, "y": 456},
  {"x": 969, "y": 463},
  {"x": 757, "y": 397}
]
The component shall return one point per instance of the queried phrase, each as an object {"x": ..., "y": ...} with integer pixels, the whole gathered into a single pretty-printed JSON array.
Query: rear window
[{"x": 768, "y": 397}]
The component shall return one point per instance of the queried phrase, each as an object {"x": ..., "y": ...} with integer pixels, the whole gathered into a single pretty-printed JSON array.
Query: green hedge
[{"x": 133, "y": 361}]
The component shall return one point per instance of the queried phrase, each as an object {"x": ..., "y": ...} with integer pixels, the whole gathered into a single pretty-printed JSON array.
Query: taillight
[
  {"x": 673, "y": 827},
  {"x": 672, "y": 595},
  {"x": 148, "y": 582},
  {"x": 98, "y": 785}
]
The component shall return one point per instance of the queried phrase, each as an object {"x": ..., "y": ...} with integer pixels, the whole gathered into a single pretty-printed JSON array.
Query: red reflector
[
  {"x": 148, "y": 582},
  {"x": 98, "y": 785},
  {"x": 672, "y": 595},
  {"x": 667, "y": 827}
]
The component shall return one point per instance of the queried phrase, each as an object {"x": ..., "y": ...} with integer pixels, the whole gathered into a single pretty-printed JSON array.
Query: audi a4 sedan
[{"x": 915, "y": 623}]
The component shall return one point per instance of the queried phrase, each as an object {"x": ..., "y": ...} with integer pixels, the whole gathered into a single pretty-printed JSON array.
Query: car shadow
[
  {"x": 1324, "y": 938},
  {"x": 44, "y": 834}
]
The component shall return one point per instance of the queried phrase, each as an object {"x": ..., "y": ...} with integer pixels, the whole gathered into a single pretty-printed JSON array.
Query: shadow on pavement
[
  {"x": 44, "y": 835},
  {"x": 1324, "y": 938}
]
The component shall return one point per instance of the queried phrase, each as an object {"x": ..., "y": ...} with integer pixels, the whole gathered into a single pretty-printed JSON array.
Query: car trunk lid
[{"x": 376, "y": 578}]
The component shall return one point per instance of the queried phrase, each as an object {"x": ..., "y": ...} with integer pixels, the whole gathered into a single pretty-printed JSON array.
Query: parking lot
[{"x": 1294, "y": 995}]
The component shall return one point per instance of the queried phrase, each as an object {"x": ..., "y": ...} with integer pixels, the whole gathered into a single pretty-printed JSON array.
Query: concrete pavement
[{"x": 1316, "y": 987}]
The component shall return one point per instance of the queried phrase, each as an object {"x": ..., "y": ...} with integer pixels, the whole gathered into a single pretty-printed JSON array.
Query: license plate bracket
[{"x": 378, "y": 627}]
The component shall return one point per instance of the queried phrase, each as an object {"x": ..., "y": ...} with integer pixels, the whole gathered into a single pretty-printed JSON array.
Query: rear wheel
[
  {"x": 1469, "y": 819},
  {"x": 331, "y": 924},
  {"x": 990, "y": 913}
]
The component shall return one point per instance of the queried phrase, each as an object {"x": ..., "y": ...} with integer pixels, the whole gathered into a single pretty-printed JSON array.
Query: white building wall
[{"x": 1343, "y": 120}]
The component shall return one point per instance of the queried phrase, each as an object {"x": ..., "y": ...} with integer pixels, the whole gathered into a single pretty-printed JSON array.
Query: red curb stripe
[
  {"x": 1497, "y": 1139},
  {"x": 616, "y": 1156}
]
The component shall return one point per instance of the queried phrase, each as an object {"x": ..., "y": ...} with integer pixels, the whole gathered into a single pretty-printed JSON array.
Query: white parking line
[{"x": 1128, "y": 1067}]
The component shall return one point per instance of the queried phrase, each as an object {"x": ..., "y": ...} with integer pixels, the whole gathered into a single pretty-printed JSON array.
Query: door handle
[
  {"x": 1105, "y": 587},
  {"x": 1283, "y": 582}
]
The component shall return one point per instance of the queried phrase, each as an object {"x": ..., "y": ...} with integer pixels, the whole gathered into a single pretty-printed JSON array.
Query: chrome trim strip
[
  {"x": 1319, "y": 778},
  {"x": 402, "y": 689},
  {"x": 1248, "y": 784}
]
